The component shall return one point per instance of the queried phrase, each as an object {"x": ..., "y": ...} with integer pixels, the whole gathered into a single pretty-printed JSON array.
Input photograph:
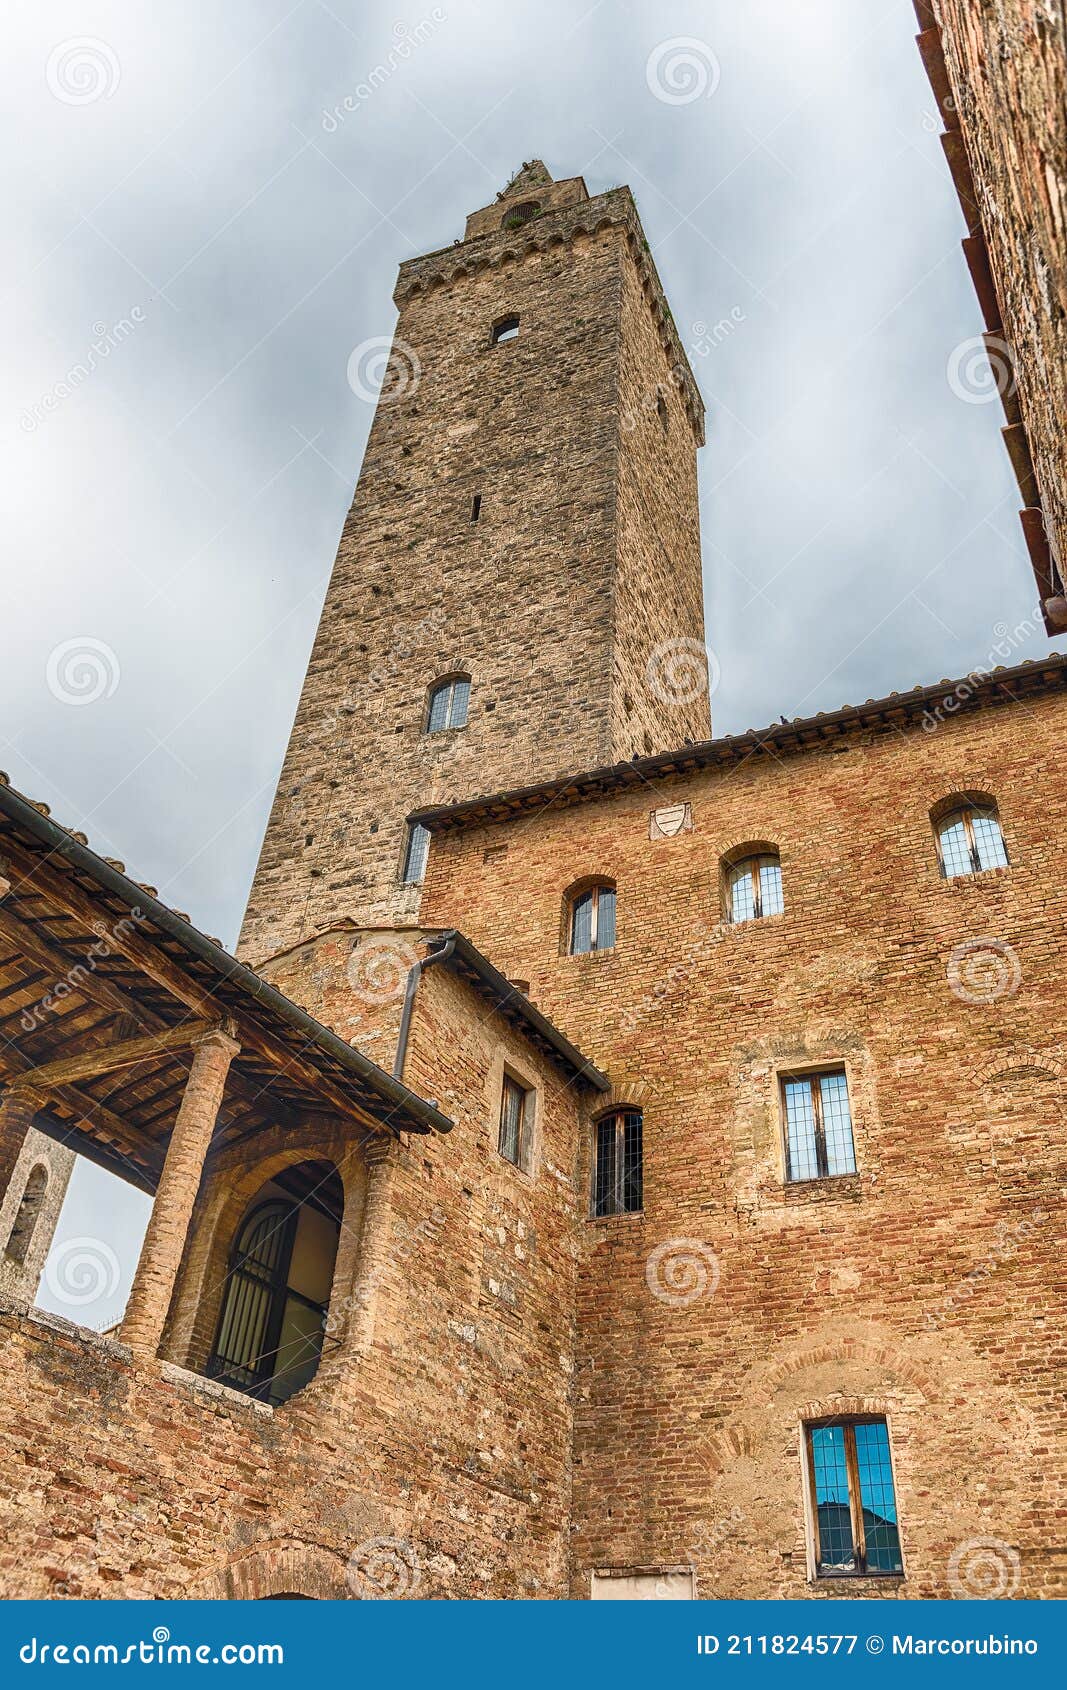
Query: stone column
[
  {"x": 17, "y": 1110},
  {"x": 168, "y": 1225},
  {"x": 375, "y": 1245}
]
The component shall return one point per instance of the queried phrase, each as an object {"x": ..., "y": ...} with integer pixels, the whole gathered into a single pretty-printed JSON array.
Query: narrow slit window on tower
[
  {"x": 515, "y": 1112},
  {"x": 505, "y": 328},
  {"x": 418, "y": 849},
  {"x": 618, "y": 1175},
  {"x": 476, "y": 507},
  {"x": 449, "y": 703}
]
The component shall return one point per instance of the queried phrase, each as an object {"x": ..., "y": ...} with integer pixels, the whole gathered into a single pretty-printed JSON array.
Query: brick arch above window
[{"x": 285, "y": 1568}]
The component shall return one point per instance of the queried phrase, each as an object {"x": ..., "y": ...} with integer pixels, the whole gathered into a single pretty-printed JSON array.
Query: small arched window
[
  {"x": 516, "y": 215},
  {"x": 272, "y": 1326},
  {"x": 449, "y": 703},
  {"x": 754, "y": 887},
  {"x": 591, "y": 918},
  {"x": 25, "y": 1223},
  {"x": 618, "y": 1172},
  {"x": 505, "y": 328},
  {"x": 969, "y": 839}
]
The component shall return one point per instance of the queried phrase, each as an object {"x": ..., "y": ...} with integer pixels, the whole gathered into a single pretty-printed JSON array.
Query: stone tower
[
  {"x": 525, "y": 519},
  {"x": 29, "y": 1213}
]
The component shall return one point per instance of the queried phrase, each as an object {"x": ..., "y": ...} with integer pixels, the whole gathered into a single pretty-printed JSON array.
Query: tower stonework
[{"x": 526, "y": 516}]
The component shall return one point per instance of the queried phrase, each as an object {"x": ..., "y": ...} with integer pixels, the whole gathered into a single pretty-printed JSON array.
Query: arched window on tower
[
  {"x": 516, "y": 215},
  {"x": 448, "y": 703},
  {"x": 969, "y": 837},
  {"x": 618, "y": 1163},
  {"x": 505, "y": 328},
  {"x": 29, "y": 1212}
]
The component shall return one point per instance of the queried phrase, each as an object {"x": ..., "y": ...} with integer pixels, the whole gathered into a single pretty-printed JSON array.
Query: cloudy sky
[{"x": 197, "y": 243}]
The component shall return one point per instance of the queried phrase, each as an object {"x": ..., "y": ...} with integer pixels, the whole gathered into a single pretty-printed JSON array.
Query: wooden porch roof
[{"x": 88, "y": 958}]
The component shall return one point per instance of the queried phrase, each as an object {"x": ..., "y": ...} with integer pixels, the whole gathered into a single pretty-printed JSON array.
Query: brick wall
[
  {"x": 924, "y": 1286},
  {"x": 448, "y": 1428}
]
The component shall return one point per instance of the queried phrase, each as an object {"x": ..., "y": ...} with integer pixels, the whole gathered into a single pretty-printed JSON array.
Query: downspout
[{"x": 415, "y": 974}]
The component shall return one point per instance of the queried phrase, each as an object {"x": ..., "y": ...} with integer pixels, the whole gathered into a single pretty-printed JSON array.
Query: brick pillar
[
  {"x": 168, "y": 1225},
  {"x": 20, "y": 1105},
  {"x": 375, "y": 1248}
]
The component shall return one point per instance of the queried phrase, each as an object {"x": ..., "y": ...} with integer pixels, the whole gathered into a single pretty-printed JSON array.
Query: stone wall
[
  {"x": 25, "y": 1239},
  {"x": 583, "y": 560},
  {"x": 925, "y": 1285},
  {"x": 441, "y": 1419}
]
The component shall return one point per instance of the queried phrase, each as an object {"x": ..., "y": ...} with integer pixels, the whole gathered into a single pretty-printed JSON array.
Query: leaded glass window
[
  {"x": 449, "y": 702},
  {"x": 818, "y": 1126},
  {"x": 514, "y": 1106},
  {"x": 854, "y": 1509},
  {"x": 418, "y": 849},
  {"x": 618, "y": 1180},
  {"x": 969, "y": 841},
  {"x": 754, "y": 888}
]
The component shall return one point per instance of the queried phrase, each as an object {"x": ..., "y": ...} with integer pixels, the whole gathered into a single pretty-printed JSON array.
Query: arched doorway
[{"x": 279, "y": 1275}]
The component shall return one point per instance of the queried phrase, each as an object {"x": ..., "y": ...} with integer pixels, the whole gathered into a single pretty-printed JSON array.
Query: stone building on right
[{"x": 999, "y": 75}]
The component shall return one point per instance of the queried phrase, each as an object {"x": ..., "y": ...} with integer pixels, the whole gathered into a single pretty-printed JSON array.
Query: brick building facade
[{"x": 659, "y": 1192}]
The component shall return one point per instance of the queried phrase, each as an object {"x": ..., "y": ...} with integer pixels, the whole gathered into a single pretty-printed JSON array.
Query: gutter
[
  {"x": 415, "y": 973},
  {"x": 63, "y": 844}
]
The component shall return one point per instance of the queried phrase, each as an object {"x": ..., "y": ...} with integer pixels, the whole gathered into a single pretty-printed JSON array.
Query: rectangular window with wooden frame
[
  {"x": 618, "y": 1175},
  {"x": 818, "y": 1126},
  {"x": 516, "y": 1121},
  {"x": 855, "y": 1532}
]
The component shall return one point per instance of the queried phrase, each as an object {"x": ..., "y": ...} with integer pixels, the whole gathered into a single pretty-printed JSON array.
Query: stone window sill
[
  {"x": 827, "y": 1189},
  {"x": 212, "y": 1389},
  {"x": 631, "y": 1217}
]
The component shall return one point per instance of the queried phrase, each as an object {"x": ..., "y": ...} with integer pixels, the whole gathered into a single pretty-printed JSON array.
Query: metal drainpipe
[{"x": 415, "y": 974}]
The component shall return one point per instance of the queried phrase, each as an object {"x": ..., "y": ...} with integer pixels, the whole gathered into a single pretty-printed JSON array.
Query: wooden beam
[
  {"x": 103, "y": 1059},
  {"x": 79, "y": 974},
  {"x": 110, "y": 1127},
  {"x": 169, "y": 974}
]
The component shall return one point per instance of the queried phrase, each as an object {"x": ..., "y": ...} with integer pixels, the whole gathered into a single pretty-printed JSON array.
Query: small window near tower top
[
  {"x": 662, "y": 412},
  {"x": 476, "y": 507},
  {"x": 449, "y": 703},
  {"x": 506, "y": 328},
  {"x": 516, "y": 215}
]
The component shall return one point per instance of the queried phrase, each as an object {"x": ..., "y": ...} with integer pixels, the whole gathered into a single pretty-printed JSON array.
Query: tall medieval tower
[{"x": 525, "y": 521}]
